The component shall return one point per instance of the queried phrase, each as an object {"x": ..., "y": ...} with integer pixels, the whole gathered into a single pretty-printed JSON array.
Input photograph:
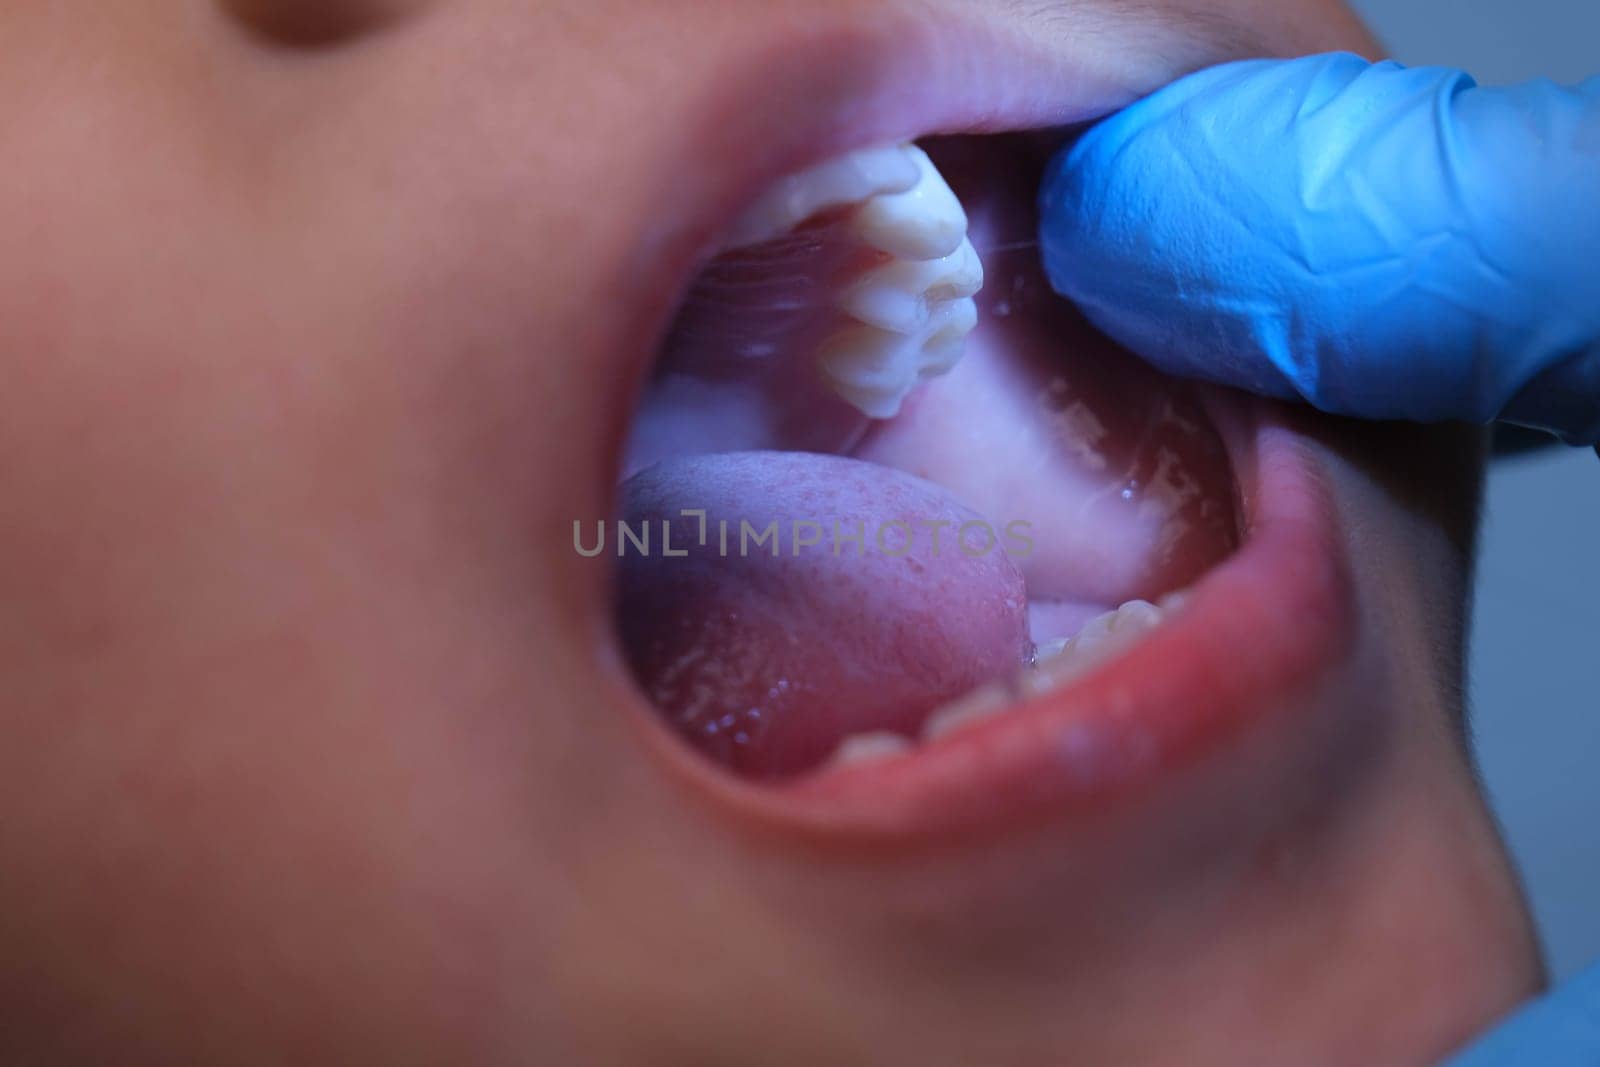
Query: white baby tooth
[
  {"x": 1129, "y": 621},
  {"x": 879, "y": 302},
  {"x": 1102, "y": 638},
  {"x": 1174, "y": 602},
  {"x": 917, "y": 316},
  {"x": 1050, "y": 649},
  {"x": 980, "y": 704},
  {"x": 868, "y": 748},
  {"x": 874, "y": 369},
  {"x": 1055, "y": 663},
  {"x": 917, "y": 309},
  {"x": 910, "y": 315},
  {"x": 961, "y": 274},
  {"x": 950, "y": 324},
  {"x": 870, "y": 368},
  {"x": 925, "y": 221},
  {"x": 898, "y": 296},
  {"x": 848, "y": 179}
]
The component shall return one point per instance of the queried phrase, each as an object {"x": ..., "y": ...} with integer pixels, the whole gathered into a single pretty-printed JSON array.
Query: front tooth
[
  {"x": 925, "y": 221},
  {"x": 868, "y": 748},
  {"x": 1102, "y": 638},
  {"x": 857, "y": 176}
]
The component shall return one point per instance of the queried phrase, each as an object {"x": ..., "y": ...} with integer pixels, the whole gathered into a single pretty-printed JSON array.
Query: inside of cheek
[{"x": 814, "y": 579}]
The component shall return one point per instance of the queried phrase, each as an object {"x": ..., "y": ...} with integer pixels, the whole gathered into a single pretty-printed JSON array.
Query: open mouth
[{"x": 900, "y": 533}]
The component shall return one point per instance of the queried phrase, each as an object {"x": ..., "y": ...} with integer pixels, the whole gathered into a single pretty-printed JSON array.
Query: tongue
[{"x": 818, "y": 597}]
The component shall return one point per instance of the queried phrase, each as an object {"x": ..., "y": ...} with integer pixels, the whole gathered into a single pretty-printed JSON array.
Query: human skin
[{"x": 317, "y": 329}]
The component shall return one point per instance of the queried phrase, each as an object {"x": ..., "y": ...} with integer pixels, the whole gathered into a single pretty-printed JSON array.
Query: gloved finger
[
  {"x": 1378, "y": 241},
  {"x": 1562, "y": 1029}
]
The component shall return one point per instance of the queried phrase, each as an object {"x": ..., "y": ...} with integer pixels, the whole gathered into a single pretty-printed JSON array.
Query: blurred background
[{"x": 1535, "y": 659}]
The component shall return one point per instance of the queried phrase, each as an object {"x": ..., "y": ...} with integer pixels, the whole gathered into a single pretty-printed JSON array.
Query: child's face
[{"x": 319, "y": 326}]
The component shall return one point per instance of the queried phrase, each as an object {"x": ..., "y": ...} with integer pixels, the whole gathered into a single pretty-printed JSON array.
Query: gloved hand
[
  {"x": 1378, "y": 241},
  {"x": 1562, "y": 1029}
]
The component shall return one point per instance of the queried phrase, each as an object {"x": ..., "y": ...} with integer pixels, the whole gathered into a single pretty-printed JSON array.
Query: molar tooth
[
  {"x": 1132, "y": 619},
  {"x": 868, "y": 748},
  {"x": 1050, "y": 649},
  {"x": 1101, "y": 638},
  {"x": 1056, "y": 663},
  {"x": 914, "y": 311},
  {"x": 898, "y": 295},
  {"x": 982, "y": 703},
  {"x": 898, "y": 309},
  {"x": 872, "y": 369},
  {"x": 962, "y": 274},
  {"x": 856, "y": 176},
  {"x": 952, "y": 321},
  {"x": 925, "y": 221}
]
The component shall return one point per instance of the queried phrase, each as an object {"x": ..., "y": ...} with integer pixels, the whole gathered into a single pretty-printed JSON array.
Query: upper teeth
[
  {"x": 904, "y": 294},
  {"x": 875, "y": 368},
  {"x": 915, "y": 311},
  {"x": 923, "y": 222},
  {"x": 848, "y": 179}
]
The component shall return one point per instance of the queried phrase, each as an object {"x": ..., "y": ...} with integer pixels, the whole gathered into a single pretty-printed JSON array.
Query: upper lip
[
  {"x": 1285, "y": 596},
  {"x": 834, "y": 83}
]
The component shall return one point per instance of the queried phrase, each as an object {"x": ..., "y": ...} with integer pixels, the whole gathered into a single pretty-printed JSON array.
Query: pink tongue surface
[{"x": 870, "y": 598}]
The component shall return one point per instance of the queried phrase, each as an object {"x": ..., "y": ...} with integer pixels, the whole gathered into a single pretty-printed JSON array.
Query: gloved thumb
[{"x": 1378, "y": 241}]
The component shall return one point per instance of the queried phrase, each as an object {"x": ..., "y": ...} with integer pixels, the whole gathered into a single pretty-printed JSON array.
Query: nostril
[{"x": 317, "y": 23}]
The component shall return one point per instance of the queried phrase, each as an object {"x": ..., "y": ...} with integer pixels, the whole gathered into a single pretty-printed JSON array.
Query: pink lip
[{"x": 1258, "y": 631}]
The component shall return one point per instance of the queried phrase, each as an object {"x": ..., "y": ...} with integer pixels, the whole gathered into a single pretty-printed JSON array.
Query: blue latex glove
[
  {"x": 1379, "y": 241},
  {"x": 1561, "y": 1030}
]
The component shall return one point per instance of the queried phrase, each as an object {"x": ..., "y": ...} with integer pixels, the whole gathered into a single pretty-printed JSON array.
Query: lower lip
[{"x": 1256, "y": 632}]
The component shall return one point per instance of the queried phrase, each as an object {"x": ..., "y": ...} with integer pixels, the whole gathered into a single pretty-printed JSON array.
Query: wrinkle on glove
[{"x": 1375, "y": 240}]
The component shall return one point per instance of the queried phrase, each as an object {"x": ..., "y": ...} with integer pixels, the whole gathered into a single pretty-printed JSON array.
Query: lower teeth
[
  {"x": 869, "y": 748},
  {"x": 1101, "y": 638},
  {"x": 1056, "y": 664}
]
